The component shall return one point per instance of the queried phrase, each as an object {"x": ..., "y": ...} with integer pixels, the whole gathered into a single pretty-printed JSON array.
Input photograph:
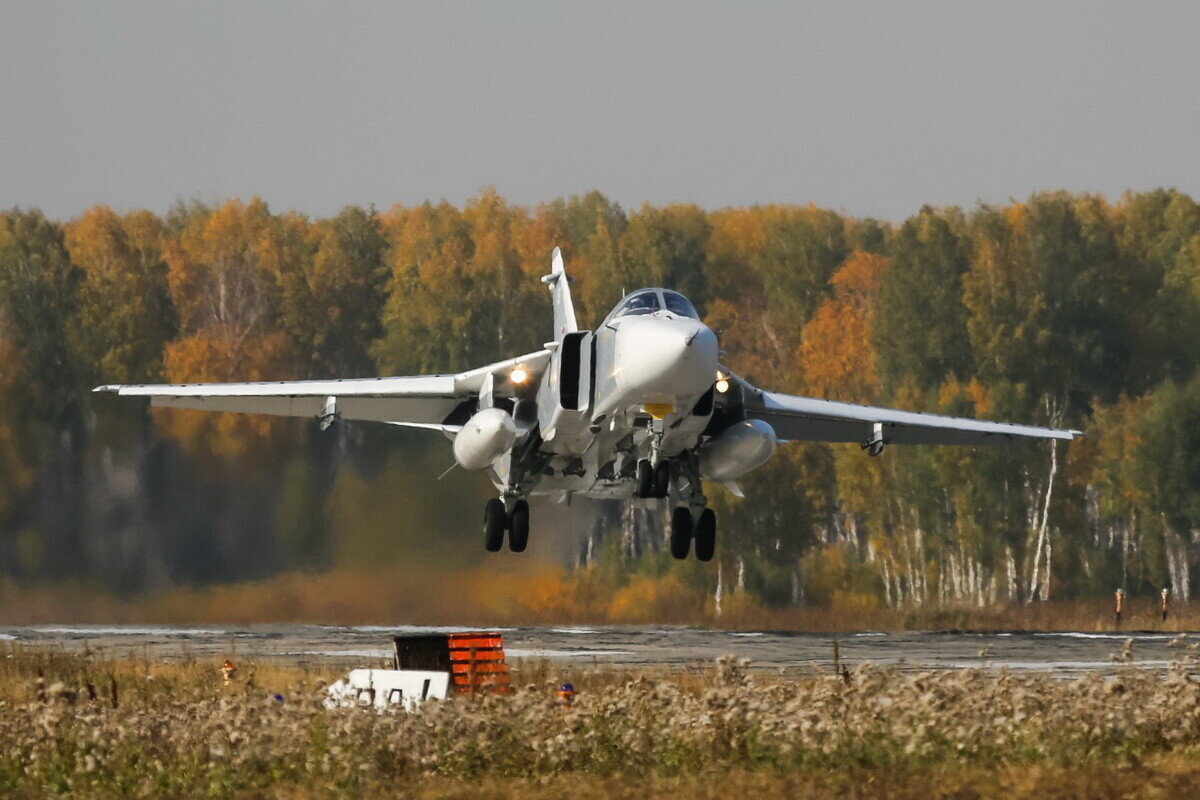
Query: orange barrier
[{"x": 474, "y": 660}]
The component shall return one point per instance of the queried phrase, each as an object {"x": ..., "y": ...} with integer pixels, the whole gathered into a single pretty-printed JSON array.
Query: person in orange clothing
[{"x": 228, "y": 670}]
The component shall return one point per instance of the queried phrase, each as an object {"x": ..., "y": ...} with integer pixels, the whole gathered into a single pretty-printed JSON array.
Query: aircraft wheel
[
  {"x": 494, "y": 522},
  {"x": 662, "y": 479},
  {"x": 645, "y": 479},
  {"x": 706, "y": 535},
  {"x": 518, "y": 527},
  {"x": 681, "y": 532}
]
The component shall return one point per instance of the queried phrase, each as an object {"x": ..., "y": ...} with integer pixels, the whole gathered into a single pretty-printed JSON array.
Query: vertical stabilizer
[{"x": 560, "y": 297}]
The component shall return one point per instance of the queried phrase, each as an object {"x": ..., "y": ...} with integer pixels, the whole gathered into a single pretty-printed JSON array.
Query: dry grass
[
  {"x": 534, "y": 594},
  {"x": 173, "y": 729}
]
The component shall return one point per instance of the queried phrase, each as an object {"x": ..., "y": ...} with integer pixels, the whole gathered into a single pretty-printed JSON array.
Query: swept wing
[
  {"x": 811, "y": 419},
  {"x": 425, "y": 401}
]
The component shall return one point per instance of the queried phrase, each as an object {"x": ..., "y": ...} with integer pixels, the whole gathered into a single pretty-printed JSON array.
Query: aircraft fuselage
[{"x": 648, "y": 377}]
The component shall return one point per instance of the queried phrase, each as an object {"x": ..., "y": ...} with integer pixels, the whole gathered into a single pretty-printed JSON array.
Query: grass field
[{"x": 86, "y": 726}]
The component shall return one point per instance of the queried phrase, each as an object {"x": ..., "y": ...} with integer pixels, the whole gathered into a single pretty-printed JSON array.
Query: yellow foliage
[
  {"x": 208, "y": 357},
  {"x": 836, "y": 351},
  {"x": 216, "y": 274},
  {"x": 546, "y": 592},
  {"x": 854, "y": 601},
  {"x": 647, "y": 599}
]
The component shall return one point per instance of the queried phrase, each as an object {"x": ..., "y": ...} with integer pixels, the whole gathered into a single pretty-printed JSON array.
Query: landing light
[
  {"x": 722, "y": 383},
  {"x": 518, "y": 375}
]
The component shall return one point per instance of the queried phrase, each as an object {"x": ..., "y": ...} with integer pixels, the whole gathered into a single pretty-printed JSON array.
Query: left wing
[
  {"x": 811, "y": 419},
  {"x": 423, "y": 401}
]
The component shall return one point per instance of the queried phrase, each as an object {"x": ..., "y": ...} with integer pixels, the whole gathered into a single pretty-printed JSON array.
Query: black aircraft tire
[
  {"x": 681, "y": 532},
  {"x": 518, "y": 527},
  {"x": 494, "y": 522},
  {"x": 662, "y": 479},
  {"x": 645, "y": 478},
  {"x": 706, "y": 535}
]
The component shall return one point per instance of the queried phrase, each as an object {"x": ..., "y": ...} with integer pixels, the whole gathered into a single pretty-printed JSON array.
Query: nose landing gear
[
  {"x": 496, "y": 520},
  {"x": 653, "y": 481}
]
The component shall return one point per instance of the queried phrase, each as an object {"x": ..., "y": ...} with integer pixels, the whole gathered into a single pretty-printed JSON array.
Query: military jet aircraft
[{"x": 642, "y": 407}]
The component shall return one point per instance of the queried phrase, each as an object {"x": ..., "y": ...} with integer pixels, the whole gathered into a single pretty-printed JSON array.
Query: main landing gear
[
  {"x": 497, "y": 520},
  {"x": 702, "y": 531}
]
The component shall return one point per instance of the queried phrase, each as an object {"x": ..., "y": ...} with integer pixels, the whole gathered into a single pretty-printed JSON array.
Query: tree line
[{"x": 1063, "y": 310}]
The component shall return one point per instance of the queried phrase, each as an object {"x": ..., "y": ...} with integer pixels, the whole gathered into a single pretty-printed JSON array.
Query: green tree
[
  {"x": 920, "y": 323},
  {"x": 333, "y": 278}
]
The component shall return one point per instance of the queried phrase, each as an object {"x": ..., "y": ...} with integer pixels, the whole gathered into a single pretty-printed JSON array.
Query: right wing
[
  {"x": 422, "y": 401},
  {"x": 811, "y": 419}
]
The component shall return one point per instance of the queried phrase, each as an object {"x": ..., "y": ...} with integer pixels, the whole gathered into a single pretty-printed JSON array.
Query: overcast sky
[{"x": 870, "y": 108}]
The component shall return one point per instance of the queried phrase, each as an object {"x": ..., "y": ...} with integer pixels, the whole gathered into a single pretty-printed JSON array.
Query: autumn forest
[{"x": 1065, "y": 310}]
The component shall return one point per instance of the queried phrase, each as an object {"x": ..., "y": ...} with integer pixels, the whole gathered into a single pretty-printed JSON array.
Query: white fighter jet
[{"x": 642, "y": 407}]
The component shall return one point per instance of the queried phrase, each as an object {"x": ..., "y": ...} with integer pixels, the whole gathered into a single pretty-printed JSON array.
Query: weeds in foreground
[{"x": 175, "y": 729}]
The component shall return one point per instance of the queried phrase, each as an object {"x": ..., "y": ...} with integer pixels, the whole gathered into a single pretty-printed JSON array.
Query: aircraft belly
[{"x": 586, "y": 487}]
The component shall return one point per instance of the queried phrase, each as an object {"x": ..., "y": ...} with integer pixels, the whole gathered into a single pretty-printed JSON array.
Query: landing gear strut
[
  {"x": 496, "y": 520},
  {"x": 645, "y": 478},
  {"x": 653, "y": 481},
  {"x": 703, "y": 531},
  {"x": 662, "y": 479}
]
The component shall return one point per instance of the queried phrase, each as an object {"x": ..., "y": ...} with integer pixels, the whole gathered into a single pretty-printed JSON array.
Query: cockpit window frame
[
  {"x": 660, "y": 304},
  {"x": 688, "y": 310},
  {"x": 627, "y": 308}
]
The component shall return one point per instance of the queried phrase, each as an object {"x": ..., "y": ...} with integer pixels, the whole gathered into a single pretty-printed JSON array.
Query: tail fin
[{"x": 560, "y": 297}]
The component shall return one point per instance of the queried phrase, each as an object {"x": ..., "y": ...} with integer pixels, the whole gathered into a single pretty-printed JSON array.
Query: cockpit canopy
[{"x": 647, "y": 301}]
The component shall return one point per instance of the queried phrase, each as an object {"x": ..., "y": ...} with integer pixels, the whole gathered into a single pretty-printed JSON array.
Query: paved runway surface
[{"x": 1062, "y": 653}]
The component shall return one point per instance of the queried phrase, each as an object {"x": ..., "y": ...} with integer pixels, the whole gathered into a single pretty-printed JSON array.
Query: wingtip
[{"x": 107, "y": 388}]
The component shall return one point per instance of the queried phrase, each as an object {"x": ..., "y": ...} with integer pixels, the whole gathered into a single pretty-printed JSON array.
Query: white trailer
[{"x": 388, "y": 688}]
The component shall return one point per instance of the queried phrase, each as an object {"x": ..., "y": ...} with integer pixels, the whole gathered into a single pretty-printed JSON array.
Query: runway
[{"x": 1065, "y": 653}]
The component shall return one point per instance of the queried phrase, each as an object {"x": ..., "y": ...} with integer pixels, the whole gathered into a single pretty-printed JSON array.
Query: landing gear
[
  {"x": 646, "y": 484},
  {"x": 494, "y": 523},
  {"x": 518, "y": 527},
  {"x": 706, "y": 535},
  {"x": 681, "y": 532},
  {"x": 496, "y": 520},
  {"x": 653, "y": 481},
  {"x": 703, "y": 531},
  {"x": 662, "y": 479}
]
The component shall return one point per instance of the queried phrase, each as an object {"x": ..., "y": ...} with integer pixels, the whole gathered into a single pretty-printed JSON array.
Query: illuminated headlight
[
  {"x": 518, "y": 375},
  {"x": 722, "y": 384}
]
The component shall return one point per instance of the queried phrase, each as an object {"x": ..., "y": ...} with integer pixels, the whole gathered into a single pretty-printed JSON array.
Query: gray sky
[{"x": 871, "y": 108}]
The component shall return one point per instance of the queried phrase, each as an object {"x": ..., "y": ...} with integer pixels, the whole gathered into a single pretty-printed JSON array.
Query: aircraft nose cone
[{"x": 670, "y": 356}]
